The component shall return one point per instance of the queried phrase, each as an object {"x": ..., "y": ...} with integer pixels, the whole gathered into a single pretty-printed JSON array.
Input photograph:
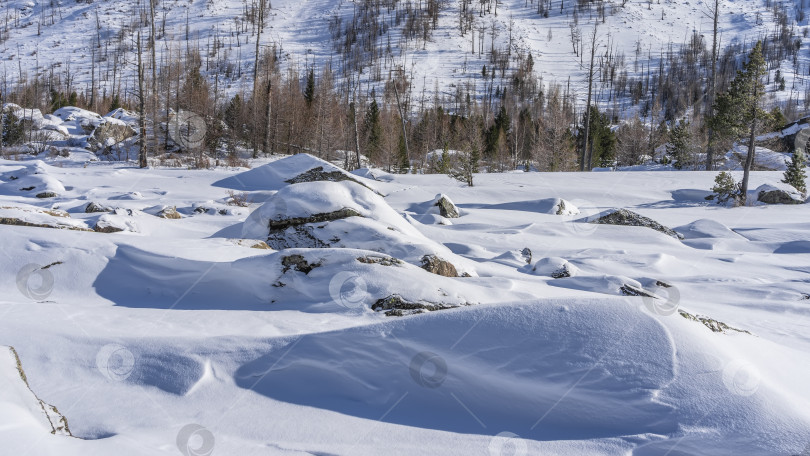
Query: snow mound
[
  {"x": 117, "y": 222},
  {"x": 706, "y": 228},
  {"x": 36, "y": 217},
  {"x": 786, "y": 189},
  {"x": 292, "y": 169},
  {"x": 340, "y": 215},
  {"x": 553, "y": 267}
]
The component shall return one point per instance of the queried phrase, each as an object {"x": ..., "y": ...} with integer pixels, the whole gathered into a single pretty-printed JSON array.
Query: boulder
[
  {"x": 784, "y": 194},
  {"x": 46, "y": 195},
  {"x": 169, "y": 213},
  {"x": 93, "y": 207},
  {"x": 527, "y": 255},
  {"x": 438, "y": 266},
  {"x": 624, "y": 217},
  {"x": 110, "y": 133},
  {"x": 397, "y": 306},
  {"x": 446, "y": 207},
  {"x": 554, "y": 267}
]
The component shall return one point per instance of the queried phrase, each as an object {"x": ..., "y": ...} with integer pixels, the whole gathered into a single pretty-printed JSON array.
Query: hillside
[{"x": 65, "y": 38}]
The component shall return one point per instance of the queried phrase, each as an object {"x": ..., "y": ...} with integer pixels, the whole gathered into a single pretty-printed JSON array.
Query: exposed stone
[
  {"x": 397, "y": 306},
  {"x": 106, "y": 228},
  {"x": 436, "y": 265},
  {"x": 446, "y": 207},
  {"x": 714, "y": 325},
  {"x": 381, "y": 260},
  {"x": 95, "y": 207},
  {"x": 169, "y": 213},
  {"x": 527, "y": 255},
  {"x": 630, "y": 290},
  {"x": 624, "y": 217},
  {"x": 17, "y": 222},
  {"x": 777, "y": 197},
  {"x": 318, "y": 174},
  {"x": 297, "y": 262},
  {"x": 277, "y": 225},
  {"x": 108, "y": 134},
  {"x": 46, "y": 195}
]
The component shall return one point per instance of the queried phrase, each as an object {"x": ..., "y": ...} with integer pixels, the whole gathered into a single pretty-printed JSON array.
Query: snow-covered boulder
[
  {"x": 290, "y": 170},
  {"x": 109, "y": 133},
  {"x": 554, "y": 267},
  {"x": 339, "y": 215},
  {"x": 778, "y": 194},
  {"x": 446, "y": 207},
  {"x": 623, "y": 217},
  {"x": 116, "y": 222},
  {"x": 31, "y": 180},
  {"x": 33, "y": 216}
]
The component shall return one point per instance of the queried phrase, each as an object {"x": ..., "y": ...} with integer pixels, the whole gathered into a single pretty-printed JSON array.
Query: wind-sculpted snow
[{"x": 190, "y": 336}]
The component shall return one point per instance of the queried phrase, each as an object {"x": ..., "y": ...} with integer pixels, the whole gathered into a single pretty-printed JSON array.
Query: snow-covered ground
[{"x": 174, "y": 335}]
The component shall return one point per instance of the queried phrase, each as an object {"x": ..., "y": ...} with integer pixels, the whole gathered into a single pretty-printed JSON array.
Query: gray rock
[
  {"x": 93, "y": 207},
  {"x": 297, "y": 262},
  {"x": 46, "y": 195},
  {"x": 446, "y": 207},
  {"x": 623, "y": 217},
  {"x": 714, "y": 325},
  {"x": 438, "y": 266},
  {"x": 777, "y": 197},
  {"x": 527, "y": 255},
  {"x": 397, "y": 306},
  {"x": 277, "y": 225},
  {"x": 381, "y": 260}
]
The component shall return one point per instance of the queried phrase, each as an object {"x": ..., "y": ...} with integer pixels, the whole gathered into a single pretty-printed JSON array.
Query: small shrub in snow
[
  {"x": 238, "y": 199},
  {"x": 726, "y": 188}
]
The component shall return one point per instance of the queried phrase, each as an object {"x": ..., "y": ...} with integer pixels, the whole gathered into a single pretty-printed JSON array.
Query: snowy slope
[
  {"x": 176, "y": 335},
  {"x": 44, "y": 36}
]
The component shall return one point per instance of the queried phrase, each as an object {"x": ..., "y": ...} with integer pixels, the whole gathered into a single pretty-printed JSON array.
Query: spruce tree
[
  {"x": 795, "y": 173},
  {"x": 737, "y": 111},
  {"x": 309, "y": 92},
  {"x": 679, "y": 146}
]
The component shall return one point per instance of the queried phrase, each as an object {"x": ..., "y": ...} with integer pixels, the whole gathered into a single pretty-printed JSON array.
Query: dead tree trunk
[{"x": 586, "y": 155}]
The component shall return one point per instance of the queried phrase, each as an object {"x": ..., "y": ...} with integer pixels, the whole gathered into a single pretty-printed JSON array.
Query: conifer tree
[
  {"x": 737, "y": 112},
  {"x": 795, "y": 173}
]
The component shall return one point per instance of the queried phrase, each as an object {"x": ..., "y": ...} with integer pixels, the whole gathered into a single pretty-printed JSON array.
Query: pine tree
[
  {"x": 795, "y": 173},
  {"x": 309, "y": 92},
  {"x": 737, "y": 111},
  {"x": 373, "y": 131},
  {"x": 402, "y": 156},
  {"x": 679, "y": 146}
]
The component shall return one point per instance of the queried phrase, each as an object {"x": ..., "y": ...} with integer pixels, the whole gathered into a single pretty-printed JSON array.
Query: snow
[{"x": 176, "y": 334}]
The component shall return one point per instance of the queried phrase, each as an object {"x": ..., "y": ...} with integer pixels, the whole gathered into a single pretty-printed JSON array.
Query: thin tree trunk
[
  {"x": 256, "y": 74},
  {"x": 356, "y": 134},
  {"x": 586, "y": 155},
  {"x": 141, "y": 108},
  {"x": 267, "y": 112},
  {"x": 712, "y": 88},
  {"x": 749, "y": 159},
  {"x": 402, "y": 118}
]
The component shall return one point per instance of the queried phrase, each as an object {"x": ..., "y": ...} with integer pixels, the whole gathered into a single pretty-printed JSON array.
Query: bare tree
[
  {"x": 586, "y": 156},
  {"x": 714, "y": 13}
]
